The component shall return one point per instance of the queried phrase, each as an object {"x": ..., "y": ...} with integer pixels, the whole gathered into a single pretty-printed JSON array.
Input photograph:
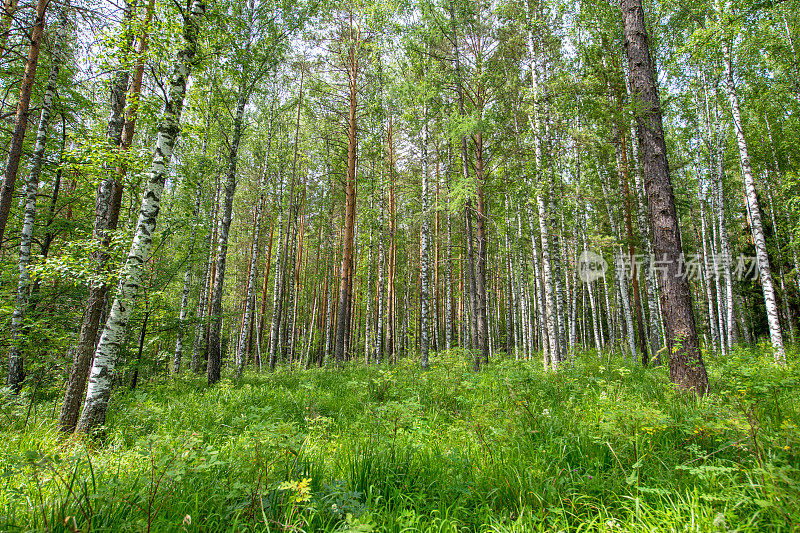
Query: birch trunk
[
  {"x": 424, "y": 254},
  {"x": 199, "y": 347},
  {"x": 709, "y": 280},
  {"x": 107, "y": 207},
  {"x": 786, "y": 308},
  {"x": 215, "y": 317},
  {"x": 99, "y": 387},
  {"x": 448, "y": 309},
  {"x": 187, "y": 276},
  {"x": 369, "y": 334},
  {"x": 378, "y": 340},
  {"x": 16, "y": 371},
  {"x": 187, "y": 280},
  {"x": 787, "y": 312},
  {"x": 765, "y": 272},
  {"x": 725, "y": 251},
  {"x": 551, "y": 355},
  {"x": 277, "y": 294},
  {"x": 241, "y": 354}
]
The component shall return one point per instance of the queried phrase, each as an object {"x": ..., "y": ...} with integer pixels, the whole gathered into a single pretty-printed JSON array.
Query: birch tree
[
  {"x": 98, "y": 391},
  {"x": 15, "y": 359},
  {"x": 759, "y": 241}
]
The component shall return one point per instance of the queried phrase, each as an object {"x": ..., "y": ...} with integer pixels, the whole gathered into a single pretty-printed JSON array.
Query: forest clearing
[{"x": 381, "y": 265}]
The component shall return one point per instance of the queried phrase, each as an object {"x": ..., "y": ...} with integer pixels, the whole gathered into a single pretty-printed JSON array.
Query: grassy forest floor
[{"x": 598, "y": 446}]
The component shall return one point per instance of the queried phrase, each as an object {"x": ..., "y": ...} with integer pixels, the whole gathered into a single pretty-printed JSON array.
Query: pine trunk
[
  {"x": 685, "y": 360},
  {"x": 21, "y": 118}
]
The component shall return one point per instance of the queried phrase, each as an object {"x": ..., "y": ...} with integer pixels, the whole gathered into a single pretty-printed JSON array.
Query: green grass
[{"x": 595, "y": 447}]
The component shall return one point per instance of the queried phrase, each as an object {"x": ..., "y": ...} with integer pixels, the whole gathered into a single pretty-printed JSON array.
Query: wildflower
[
  {"x": 302, "y": 489},
  {"x": 546, "y": 413}
]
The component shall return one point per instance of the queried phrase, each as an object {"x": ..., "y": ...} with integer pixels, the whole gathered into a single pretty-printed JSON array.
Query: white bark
[
  {"x": 765, "y": 272},
  {"x": 595, "y": 325},
  {"x": 251, "y": 279},
  {"x": 424, "y": 252},
  {"x": 205, "y": 288},
  {"x": 15, "y": 359},
  {"x": 551, "y": 357},
  {"x": 380, "y": 297},
  {"x": 99, "y": 388},
  {"x": 787, "y": 312},
  {"x": 725, "y": 251},
  {"x": 368, "y": 330},
  {"x": 187, "y": 281},
  {"x": 709, "y": 280},
  {"x": 251, "y": 283},
  {"x": 448, "y": 309},
  {"x": 277, "y": 293},
  {"x": 620, "y": 276},
  {"x": 215, "y": 317}
]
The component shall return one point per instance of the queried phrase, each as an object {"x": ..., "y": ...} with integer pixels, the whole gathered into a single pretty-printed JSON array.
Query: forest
[{"x": 392, "y": 265}]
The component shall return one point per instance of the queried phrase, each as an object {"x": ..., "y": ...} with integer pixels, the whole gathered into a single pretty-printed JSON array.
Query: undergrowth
[{"x": 598, "y": 446}]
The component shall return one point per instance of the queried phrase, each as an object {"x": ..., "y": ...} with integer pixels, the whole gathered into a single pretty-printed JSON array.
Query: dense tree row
[{"x": 291, "y": 184}]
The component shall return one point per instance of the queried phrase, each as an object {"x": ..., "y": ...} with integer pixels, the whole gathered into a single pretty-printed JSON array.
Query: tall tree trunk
[
  {"x": 265, "y": 287},
  {"x": 391, "y": 337},
  {"x": 787, "y": 312},
  {"x": 21, "y": 118},
  {"x": 99, "y": 387},
  {"x": 107, "y": 207},
  {"x": 424, "y": 254},
  {"x": 765, "y": 272},
  {"x": 49, "y": 232},
  {"x": 448, "y": 312},
  {"x": 685, "y": 359},
  {"x": 551, "y": 352},
  {"x": 651, "y": 281},
  {"x": 142, "y": 337},
  {"x": 511, "y": 300},
  {"x": 15, "y": 360},
  {"x": 241, "y": 354},
  {"x": 482, "y": 239},
  {"x": 277, "y": 292},
  {"x": 187, "y": 280},
  {"x": 201, "y": 331},
  {"x": 251, "y": 279},
  {"x": 215, "y": 317},
  {"x": 708, "y": 276},
  {"x": 725, "y": 250},
  {"x": 377, "y": 350},
  {"x": 346, "y": 269},
  {"x": 621, "y": 274}
]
